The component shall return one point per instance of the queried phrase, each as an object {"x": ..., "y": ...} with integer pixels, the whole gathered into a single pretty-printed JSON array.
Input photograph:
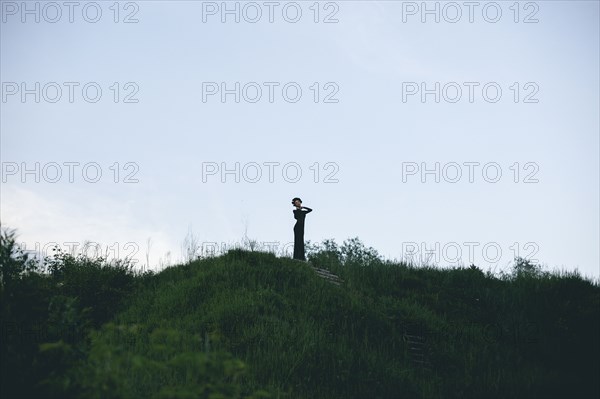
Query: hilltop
[{"x": 250, "y": 324}]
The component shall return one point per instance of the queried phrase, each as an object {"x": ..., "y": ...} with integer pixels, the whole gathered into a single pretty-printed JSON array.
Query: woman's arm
[{"x": 308, "y": 210}]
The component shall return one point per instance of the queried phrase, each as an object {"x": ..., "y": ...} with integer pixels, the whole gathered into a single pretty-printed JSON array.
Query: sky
[{"x": 446, "y": 133}]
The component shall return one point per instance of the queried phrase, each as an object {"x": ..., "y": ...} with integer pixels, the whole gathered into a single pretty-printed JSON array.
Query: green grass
[{"x": 250, "y": 324}]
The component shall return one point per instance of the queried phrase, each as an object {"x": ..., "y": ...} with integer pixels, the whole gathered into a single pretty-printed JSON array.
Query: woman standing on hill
[{"x": 299, "y": 214}]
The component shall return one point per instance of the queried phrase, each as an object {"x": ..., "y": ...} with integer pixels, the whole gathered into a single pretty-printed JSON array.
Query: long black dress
[{"x": 299, "y": 215}]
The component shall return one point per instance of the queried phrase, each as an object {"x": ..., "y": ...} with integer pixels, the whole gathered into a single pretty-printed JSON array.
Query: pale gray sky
[{"x": 370, "y": 133}]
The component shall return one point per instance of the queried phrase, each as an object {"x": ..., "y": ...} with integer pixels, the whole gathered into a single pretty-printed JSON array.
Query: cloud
[{"x": 43, "y": 219}]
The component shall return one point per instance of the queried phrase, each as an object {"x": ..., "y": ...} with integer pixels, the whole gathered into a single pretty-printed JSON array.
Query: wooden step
[
  {"x": 327, "y": 275},
  {"x": 417, "y": 350}
]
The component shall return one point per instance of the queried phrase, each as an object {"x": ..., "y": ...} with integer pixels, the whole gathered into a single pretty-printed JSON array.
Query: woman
[{"x": 299, "y": 214}]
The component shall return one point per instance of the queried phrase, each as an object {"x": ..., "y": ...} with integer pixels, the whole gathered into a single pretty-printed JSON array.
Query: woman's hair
[{"x": 294, "y": 200}]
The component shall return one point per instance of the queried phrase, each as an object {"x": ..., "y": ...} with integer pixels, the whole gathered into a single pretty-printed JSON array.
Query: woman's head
[{"x": 297, "y": 201}]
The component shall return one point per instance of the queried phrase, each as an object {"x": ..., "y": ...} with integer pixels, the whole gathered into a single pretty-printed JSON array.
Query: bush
[
  {"x": 329, "y": 255},
  {"x": 48, "y": 307},
  {"x": 126, "y": 361}
]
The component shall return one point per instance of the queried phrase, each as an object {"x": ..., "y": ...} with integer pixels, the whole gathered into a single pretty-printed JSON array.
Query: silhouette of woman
[{"x": 299, "y": 214}]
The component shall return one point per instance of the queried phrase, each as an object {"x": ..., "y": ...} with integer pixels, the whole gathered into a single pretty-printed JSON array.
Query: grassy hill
[{"x": 250, "y": 324}]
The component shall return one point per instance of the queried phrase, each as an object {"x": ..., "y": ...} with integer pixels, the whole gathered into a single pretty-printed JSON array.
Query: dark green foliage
[
  {"x": 250, "y": 325},
  {"x": 98, "y": 286},
  {"x": 46, "y": 315}
]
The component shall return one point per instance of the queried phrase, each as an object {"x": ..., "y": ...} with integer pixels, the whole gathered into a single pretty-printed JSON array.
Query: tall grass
[{"x": 251, "y": 324}]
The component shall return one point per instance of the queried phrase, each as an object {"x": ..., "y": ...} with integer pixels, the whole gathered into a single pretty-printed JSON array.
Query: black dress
[{"x": 299, "y": 215}]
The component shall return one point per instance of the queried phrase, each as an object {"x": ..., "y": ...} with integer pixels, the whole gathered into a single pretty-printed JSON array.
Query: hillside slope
[
  {"x": 300, "y": 335},
  {"x": 249, "y": 324}
]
